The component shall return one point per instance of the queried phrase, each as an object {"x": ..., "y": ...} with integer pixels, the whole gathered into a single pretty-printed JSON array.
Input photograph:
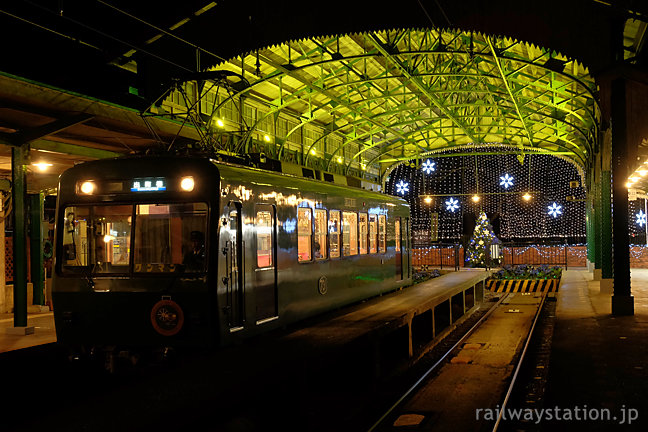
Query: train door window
[
  {"x": 168, "y": 235},
  {"x": 320, "y": 234},
  {"x": 304, "y": 233},
  {"x": 264, "y": 238},
  {"x": 362, "y": 232},
  {"x": 349, "y": 233},
  {"x": 231, "y": 236},
  {"x": 373, "y": 233},
  {"x": 382, "y": 242},
  {"x": 397, "y": 234},
  {"x": 334, "y": 233},
  {"x": 265, "y": 276}
]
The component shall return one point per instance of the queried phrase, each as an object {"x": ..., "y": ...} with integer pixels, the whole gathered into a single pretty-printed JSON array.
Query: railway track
[{"x": 470, "y": 387}]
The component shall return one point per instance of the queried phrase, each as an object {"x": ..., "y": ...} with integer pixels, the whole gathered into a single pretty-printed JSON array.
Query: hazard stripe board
[{"x": 523, "y": 285}]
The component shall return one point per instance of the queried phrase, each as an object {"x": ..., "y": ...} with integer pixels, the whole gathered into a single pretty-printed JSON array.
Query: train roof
[{"x": 244, "y": 174}]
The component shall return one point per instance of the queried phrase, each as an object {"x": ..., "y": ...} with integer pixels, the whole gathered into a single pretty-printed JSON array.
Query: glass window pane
[
  {"x": 264, "y": 238},
  {"x": 350, "y": 233},
  {"x": 320, "y": 234},
  {"x": 372, "y": 233},
  {"x": 304, "y": 233},
  {"x": 167, "y": 235},
  {"x": 98, "y": 236},
  {"x": 362, "y": 227},
  {"x": 397, "y": 229},
  {"x": 334, "y": 233},
  {"x": 382, "y": 225},
  {"x": 75, "y": 237}
]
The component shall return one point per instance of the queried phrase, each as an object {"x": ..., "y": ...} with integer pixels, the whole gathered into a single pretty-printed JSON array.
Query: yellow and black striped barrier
[{"x": 523, "y": 285}]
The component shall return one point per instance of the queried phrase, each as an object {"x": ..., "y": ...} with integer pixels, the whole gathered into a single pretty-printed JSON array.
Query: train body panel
[{"x": 268, "y": 258}]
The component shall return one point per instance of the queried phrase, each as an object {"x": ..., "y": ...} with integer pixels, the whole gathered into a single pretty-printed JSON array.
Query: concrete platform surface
[
  {"x": 43, "y": 331},
  {"x": 598, "y": 370}
]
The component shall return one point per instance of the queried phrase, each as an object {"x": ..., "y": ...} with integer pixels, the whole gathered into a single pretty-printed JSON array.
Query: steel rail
[
  {"x": 435, "y": 365},
  {"x": 519, "y": 364}
]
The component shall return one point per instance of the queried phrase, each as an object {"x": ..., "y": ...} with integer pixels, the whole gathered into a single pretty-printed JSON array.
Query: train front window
[
  {"x": 97, "y": 239},
  {"x": 169, "y": 235},
  {"x": 97, "y": 236}
]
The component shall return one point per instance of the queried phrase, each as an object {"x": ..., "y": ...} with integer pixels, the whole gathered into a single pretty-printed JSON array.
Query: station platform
[
  {"x": 598, "y": 362},
  {"x": 44, "y": 332}
]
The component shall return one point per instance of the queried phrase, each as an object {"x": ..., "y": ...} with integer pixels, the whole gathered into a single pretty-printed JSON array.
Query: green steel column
[
  {"x": 606, "y": 225},
  {"x": 36, "y": 247},
  {"x": 589, "y": 230},
  {"x": 597, "y": 227},
  {"x": 589, "y": 216},
  {"x": 19, "y": 179}
]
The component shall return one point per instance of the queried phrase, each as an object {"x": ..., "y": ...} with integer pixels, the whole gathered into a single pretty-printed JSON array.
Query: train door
[
  {"x": 399, "y": 255},
  {"x": 265, "y": 270},
  {"x": 232, "y": 237}
]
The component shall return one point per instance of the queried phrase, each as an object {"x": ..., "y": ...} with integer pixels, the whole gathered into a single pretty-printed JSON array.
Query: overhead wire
[
  {"x": 79, "y": 23},
  {"x": 42, "y": 27},
  {"x": 161, "y": 30}
]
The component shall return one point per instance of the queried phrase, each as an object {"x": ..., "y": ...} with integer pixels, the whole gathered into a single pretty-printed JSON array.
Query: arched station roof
[
  {"x": 398, "y": 95},
  {"x": 363, "y": 95}
]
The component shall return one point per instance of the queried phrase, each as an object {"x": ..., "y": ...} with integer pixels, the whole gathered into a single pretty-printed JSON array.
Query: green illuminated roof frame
[{"x": 404, "y": 94}]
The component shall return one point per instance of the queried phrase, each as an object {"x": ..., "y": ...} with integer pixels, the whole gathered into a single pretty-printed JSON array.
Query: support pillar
[
  {"x": 607, "y": 271},
  {"x": 19, "y": 156},
  {"x": 36, "y": 247},
  {"x": 590, "y": 227},
  {"x": 598, "y": 207},
  {"x": 622, "y": 299}
]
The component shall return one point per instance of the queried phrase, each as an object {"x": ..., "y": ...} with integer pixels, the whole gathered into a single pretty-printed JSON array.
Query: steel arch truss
[{"x": 383, "y": 97}]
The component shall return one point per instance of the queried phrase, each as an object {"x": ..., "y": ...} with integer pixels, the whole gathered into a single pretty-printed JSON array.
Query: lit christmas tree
[{"x": 482, "y": 238}]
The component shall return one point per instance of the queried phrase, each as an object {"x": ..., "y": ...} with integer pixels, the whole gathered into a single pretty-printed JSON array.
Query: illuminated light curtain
[{"x": 519, "y": 220}]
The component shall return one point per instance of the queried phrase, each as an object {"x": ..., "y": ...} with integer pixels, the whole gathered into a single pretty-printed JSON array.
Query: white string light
[{"x": 513, "y": 218}]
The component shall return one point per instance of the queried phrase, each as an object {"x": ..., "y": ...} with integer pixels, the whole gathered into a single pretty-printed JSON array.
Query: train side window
[
  {"x": 382, "y": 226},
  {"x": 397, "y": 234},
  {"x": 264, "y": 238},
  {"x": 349, "y": 233},
  {"x": 304, "y": 233},
  {"x": 372, "y": 234},
  {"x": 334, "y": 233},
  {"x": 320, "y": 234},
  {"x": 362, "y": 234}
]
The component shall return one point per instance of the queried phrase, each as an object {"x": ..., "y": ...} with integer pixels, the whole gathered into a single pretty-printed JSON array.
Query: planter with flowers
[{"x": 525, "y": 278}]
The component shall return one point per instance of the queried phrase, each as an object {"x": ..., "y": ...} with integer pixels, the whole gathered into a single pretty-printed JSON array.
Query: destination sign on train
[{"x": 148, "y": 185}]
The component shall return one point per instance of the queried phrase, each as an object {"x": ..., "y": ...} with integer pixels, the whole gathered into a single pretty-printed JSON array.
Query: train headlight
[
  {"x": 187, "y": 184},
  {"x": 87, "y": 187}
]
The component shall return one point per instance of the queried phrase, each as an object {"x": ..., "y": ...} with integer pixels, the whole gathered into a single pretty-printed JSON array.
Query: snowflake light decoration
[
  {"x": 641, "y": 218},
  {"x": 452, "y": 204},
  {"x": 554, "y": 210},
  {"x": 402, "y": 187},
  {"x": 428, "y": 166},
  {"x": 506, "y": 181}
]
